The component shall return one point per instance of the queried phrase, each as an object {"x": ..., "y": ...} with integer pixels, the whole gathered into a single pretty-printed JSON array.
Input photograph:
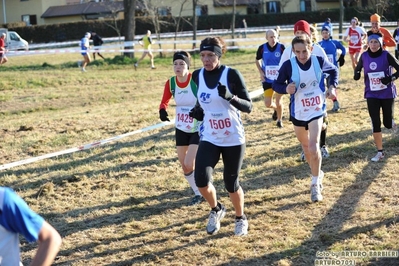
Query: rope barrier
[{"x": 99, "y": 143}]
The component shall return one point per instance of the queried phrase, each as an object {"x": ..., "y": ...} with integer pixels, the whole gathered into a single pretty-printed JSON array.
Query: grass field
[{"x": 125, "y": 203}]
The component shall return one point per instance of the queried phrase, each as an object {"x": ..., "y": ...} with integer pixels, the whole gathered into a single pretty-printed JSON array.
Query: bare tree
[
  {"x": 111, "y": 16},
  {"x": 152, "y": 13},
  {"x": 341, "y": 17},
  {"x": 178, "y": 21},
  {"x": 380, "y": 6},
  {"x": 194, "y": 23},
  {"x": 233, "y": 16},
  {"x": 233, "y": 20},
  {"x": 130, "y": 24}
]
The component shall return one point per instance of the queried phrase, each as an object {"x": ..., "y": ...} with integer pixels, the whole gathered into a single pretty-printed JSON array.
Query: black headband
[
  {"x": 213, "y": 48},
  {"x": 182, "y": 57}
]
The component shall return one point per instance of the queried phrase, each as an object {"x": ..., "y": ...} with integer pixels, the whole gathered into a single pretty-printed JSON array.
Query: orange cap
[{"x": 375, "y": 18}]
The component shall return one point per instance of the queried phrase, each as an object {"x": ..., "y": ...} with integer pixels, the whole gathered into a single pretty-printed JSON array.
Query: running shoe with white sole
[
  {"x": 378, "y": 157},
  {"x": 324, "y": 152},
  {"x": 213, "y": 225},
  {"x": 196, "y": 200},
  {"x": 315, "y": 193},
  {"x": 241, "y": 228}
]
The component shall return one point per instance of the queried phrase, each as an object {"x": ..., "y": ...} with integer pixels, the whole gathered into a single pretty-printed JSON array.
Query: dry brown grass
[{"x": 125, "y": 203}]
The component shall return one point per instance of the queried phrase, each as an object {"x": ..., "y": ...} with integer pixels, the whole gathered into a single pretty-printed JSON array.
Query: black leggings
[
  {"x": 208, "y": 156},
  {"x": 374, "y": 105}
]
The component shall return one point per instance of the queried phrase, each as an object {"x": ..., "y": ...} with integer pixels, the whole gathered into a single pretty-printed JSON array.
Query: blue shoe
[{"x": 196, "y": 200}]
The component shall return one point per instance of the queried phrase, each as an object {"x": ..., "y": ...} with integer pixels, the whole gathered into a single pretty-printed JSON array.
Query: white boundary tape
[
  {"x": 252, "y": 94},
  {"x": 126, "y": 47}
]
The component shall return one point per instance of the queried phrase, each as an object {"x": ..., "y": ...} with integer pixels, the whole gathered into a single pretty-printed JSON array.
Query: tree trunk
[
  {"x": 130, "y": 26},
  {"x": 233, "y": 22},
  {"x": 194, "y": 24},
  {"x": 341, "y": 17}
]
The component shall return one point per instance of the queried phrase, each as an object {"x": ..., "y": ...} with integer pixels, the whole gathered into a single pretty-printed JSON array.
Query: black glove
[
  {"x": 386, "y": 80},
  {"x": 356, "y": 76},
  {"x": 341, "y": 60},
  {"x": 224, "y": 92},
  {"x": 163, "y": 115},
  {"x": 197, "y": 113}
]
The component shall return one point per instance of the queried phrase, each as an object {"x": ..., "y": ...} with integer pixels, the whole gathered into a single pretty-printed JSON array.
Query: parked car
[{"x": 14, "y": 42}]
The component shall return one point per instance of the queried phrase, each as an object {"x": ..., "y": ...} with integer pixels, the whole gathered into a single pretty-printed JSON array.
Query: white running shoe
[
  {"x": 241, "y": 228},
  {"x": 324, "y": 152},
  {"x": 315, "y": 193},
  {"x": 213, "y": 225},
  {"x": 378, "y": 157},
  {"x": 135, "y": 66}
]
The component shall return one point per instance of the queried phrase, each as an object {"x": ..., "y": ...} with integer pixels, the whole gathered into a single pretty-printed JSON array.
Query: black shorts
[
  {"x": 185, "y": 139},
  {"x": 266, "y": 85},
  {"x": 300, "y": 123}
]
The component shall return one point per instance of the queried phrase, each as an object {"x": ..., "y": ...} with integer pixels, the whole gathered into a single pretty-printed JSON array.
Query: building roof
[{"x": 84, "y": 9}]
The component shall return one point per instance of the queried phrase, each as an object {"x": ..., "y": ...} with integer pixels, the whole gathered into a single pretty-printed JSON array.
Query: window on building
[
  {"x": 164, "y": 11},
  {"x": 201, "y": 10},
  {"x": 305, "y": 5},
  {"x": 273, "y": 7},
  {"x": 29, "y": 19}
]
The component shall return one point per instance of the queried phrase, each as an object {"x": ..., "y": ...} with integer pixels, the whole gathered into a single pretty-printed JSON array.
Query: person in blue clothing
[
  {"x": 302, "y": 77},
  {"x": 380, "y": 90},
  {"x": 331, "y": 46},
  {"x": 17, "y": 218},
  {"x": 396, "y": 37},
  {"x": 84, "y": 47},
  {"x": 302, "y": 27},
  {"x": 267, "y": 61},
  {"x": 328, "y": 24}
]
